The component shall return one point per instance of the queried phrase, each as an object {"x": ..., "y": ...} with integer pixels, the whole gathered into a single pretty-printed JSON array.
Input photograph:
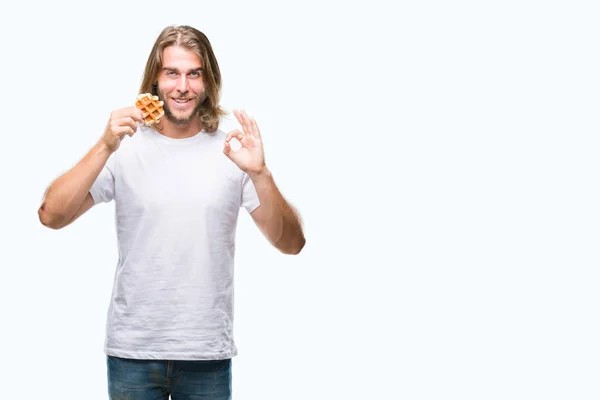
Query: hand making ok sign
[{"x": 250, "y": 157}]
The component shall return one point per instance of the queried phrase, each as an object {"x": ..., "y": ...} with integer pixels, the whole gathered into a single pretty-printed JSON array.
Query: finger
[
  {"x": 126, "y": 121},
  {"x": 138, "y": 115},
  {"x": 247, "y": 123},
  {"x": 255, "y": 127},
  {"x": 240, "y": 117},
  {"x": 227, "y": 149},
  {"x": 234, "y": 134},
  {"x": 237, "y": 115},
  {"x": 121, "y": 131},
  {"x": 132, "y": 111}
]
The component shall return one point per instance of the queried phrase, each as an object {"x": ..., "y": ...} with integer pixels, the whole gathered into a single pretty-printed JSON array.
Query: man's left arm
[
  {"x": 278, "y": 220},
  {"x": 275, "y": 217}
]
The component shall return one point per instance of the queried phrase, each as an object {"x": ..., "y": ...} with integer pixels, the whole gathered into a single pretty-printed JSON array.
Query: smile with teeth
[{"x": 181, "y": 101}]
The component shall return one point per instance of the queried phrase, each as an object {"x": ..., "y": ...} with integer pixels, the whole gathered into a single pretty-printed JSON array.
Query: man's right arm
[
  {"x": 68, "y": 193},
  {"x": 68, "y": 197}
]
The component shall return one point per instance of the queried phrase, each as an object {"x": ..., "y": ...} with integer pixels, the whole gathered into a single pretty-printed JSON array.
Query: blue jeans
[{"x": 157, "y": 379}]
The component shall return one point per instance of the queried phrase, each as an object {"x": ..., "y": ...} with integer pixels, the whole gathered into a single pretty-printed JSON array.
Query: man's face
[{"x": 180, "y": 84}]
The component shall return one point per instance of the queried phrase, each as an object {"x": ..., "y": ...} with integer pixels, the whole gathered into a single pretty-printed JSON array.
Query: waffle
[{"x": 151, "y": 106}]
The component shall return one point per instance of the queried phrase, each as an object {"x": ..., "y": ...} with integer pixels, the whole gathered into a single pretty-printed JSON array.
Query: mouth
[{"x": 181, "y": 102}]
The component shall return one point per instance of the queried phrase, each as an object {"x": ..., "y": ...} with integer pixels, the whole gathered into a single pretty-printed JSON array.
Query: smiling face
[{"x": 180, "y": 84}]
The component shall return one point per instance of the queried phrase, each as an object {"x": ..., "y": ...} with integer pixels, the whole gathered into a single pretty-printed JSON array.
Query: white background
[{"x": 443, "y": 156}]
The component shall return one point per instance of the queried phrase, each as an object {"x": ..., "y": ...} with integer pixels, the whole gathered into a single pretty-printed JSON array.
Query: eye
[
  {"x": 171, "y": 73},
  {"x": 195, "y": 74}
]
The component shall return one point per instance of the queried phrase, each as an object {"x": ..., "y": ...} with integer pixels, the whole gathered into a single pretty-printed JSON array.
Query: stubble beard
[{"x": 181, "y": 120}]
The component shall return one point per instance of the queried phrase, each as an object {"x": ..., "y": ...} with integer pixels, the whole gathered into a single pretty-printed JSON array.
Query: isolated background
[{"x": 443, "y": 156}]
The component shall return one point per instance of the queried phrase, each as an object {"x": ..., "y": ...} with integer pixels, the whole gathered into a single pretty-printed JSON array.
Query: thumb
[{"x": 227, "y": 149}]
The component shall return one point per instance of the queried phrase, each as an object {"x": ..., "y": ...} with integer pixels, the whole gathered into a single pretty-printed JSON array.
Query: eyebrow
[{"x": 177, "y": 70}]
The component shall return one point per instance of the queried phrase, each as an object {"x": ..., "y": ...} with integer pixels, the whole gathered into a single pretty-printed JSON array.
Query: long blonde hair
[{"x": 192, "y": 39}]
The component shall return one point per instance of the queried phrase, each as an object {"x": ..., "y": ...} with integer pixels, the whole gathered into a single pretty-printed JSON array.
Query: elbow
[
  {"x": 297, "y": 247},
  {"x": 49, "y": 220}
]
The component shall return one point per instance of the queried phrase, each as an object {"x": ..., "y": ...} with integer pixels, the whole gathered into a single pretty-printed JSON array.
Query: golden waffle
[{"x": 151, "y": 106}]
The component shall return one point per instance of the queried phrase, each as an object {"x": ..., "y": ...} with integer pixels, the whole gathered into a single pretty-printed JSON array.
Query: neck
[{"x": 179, "y": 131}]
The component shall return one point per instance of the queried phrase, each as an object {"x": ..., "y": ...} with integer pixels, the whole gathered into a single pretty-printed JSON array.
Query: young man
[{"x": 178, "y": 188}]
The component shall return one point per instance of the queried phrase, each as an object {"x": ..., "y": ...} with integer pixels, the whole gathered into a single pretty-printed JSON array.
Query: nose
[{"x": 182, "y": 84}]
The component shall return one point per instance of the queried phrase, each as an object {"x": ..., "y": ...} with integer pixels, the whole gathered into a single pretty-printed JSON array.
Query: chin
[
  {"x": 183, "y": 117},
  {"x": 180, "y": 121},
  {"x": 178, "y": 118}
]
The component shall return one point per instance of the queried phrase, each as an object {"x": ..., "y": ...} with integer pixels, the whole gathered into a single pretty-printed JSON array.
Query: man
[{"x": 178, "y": 188}]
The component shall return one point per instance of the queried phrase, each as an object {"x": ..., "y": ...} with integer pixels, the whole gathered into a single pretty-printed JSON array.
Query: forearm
[
  {"x": 66, "y": 194},
  {"x": 283, "y": 227}
]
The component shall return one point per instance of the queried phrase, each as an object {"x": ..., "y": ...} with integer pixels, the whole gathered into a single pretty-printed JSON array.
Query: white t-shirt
[{"x": 177, "y": 203}]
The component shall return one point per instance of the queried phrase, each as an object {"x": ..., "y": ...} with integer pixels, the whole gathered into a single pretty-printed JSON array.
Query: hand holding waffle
[{"x": 121, "y": 122}]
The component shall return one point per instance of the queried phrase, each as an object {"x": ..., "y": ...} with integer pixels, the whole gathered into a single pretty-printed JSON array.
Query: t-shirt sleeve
[
  {"x": 103, "y": 188},
  {"x": 249, "y": 196}
]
